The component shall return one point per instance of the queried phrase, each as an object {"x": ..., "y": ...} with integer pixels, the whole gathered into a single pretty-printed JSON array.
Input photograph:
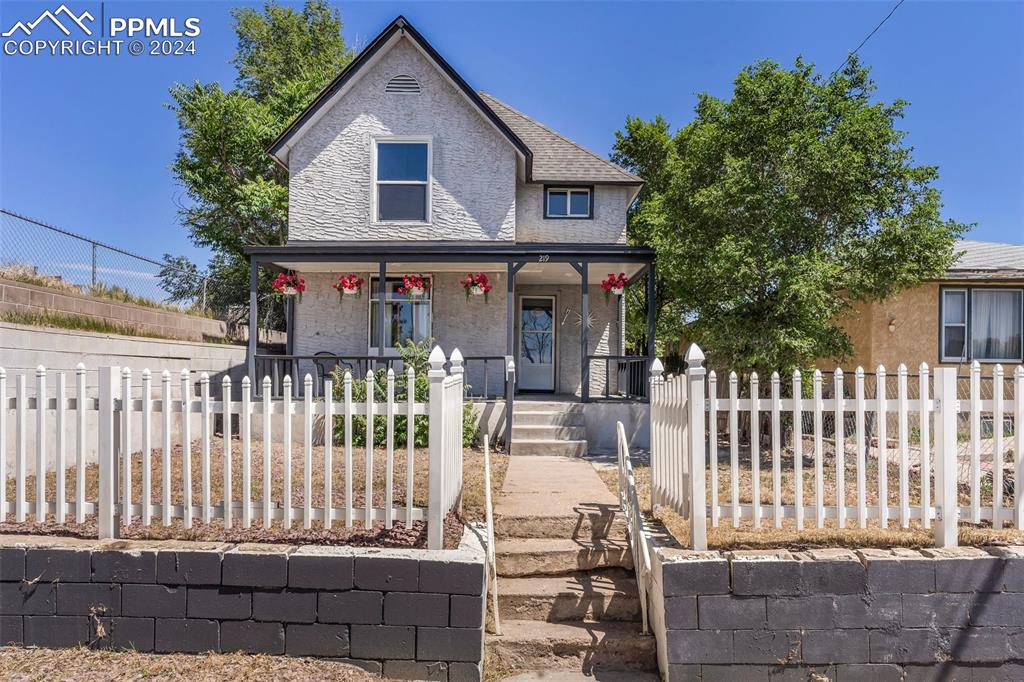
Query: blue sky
[{"x": 85, "y": 142}]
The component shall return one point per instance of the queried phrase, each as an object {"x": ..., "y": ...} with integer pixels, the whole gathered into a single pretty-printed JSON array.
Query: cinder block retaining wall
[
  {"x": 406, "y": 614},
  {"x": 875, "y": 615},
  {"x": 21, "y": 297}
]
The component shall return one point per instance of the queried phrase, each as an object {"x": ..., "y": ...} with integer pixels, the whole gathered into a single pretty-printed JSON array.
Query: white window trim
[
  {"x": 374, "y": 182},
  {"x": 371, "y": 311},
  {"x": 943, "y": 325},
  {"x": 568, "y": 202}
]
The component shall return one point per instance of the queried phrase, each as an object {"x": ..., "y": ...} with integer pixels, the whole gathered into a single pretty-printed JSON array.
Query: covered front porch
[{"x": 546, "y": 312}]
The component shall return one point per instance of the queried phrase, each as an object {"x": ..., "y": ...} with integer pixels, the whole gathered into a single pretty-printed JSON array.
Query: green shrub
[{"x": 413, "y": 355}]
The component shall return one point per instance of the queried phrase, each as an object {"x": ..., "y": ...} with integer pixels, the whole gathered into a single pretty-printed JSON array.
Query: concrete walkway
[{"x": 551, "y": 486}]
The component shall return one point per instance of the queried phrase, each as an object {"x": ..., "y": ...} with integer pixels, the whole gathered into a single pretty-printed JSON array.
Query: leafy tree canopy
[
  {"x": 237, "y": 195},
  {"x": 775, "y": 211}
]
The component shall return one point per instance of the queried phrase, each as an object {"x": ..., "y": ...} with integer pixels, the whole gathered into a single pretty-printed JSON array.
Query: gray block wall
[
  {"x": 842, "y": 615},
  {"x": 393, "y": 612}
]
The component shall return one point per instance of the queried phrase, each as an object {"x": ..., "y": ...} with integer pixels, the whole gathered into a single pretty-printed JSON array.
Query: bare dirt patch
[
  {"x": 746, "y": 536},
  {"x": 397, "y": 536}
]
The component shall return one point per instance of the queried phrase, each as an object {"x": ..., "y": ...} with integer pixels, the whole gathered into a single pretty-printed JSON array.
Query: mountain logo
[{"x": 28, "y": 27}]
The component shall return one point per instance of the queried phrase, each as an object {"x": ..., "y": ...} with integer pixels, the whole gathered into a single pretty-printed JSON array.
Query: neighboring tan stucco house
[
  {"x": 975, "y": 312},
  {"x": 400, "y": 168}
]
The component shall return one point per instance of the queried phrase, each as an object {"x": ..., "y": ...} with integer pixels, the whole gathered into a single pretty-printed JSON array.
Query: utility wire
[{"x": 863, "y": 42}]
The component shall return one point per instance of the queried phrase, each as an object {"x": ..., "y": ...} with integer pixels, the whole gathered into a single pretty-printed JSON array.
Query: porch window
[
  {"x": 984, "y": 324},
  {"x": 405, "y": 318},
  {"x": 567, "y": 202},
  {"x": 402, "y": 179}
]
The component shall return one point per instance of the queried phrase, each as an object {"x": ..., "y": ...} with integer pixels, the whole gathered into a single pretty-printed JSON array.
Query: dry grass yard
[
  {"x": 91, "y": 665},
  {"x": 767, "y": 537},
  {"x": 398, "y": 536}
]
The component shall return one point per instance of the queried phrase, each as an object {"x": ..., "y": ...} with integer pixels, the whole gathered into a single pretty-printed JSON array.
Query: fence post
[
  {"x": 94, "y": 264},
  {"x": 510, "y": 392},
  {"x": 458, "y": 370},
  {"x": 654, "y": 401},
  {"x": 696, "y": 447},
  {"x": 107, "y": 497},
  {"x": 435, "y": 408},
  {"x": 944, "y": 392}
]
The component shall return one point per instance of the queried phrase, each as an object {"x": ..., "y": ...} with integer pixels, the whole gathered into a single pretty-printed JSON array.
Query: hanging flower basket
[
  {"x": 288, "y": 285},
  {"x": 614, "y": 284},
  {"x": 477, "y": 285},
  {"x": 414, "y": 285},
  {"x": 349, "y": 285}
]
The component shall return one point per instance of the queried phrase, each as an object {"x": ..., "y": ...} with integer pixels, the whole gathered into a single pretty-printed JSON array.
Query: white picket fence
[
  {"x": 686, "y": 411},
  {"x": 118, "y": 413}
]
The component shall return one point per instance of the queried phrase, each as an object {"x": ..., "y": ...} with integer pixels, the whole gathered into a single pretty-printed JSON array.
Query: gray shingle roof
[
  {"x": 987, "y": 260},
  {"x": 557, "y": 158}
]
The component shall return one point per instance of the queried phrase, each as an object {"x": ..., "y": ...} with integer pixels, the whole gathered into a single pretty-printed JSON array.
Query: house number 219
[{"x": 543, "y": 258}]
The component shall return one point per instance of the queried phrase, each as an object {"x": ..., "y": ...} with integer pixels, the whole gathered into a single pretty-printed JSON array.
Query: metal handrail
[
  {"x": 630, "y": 503},
  {"x": 492, "y": 562}
]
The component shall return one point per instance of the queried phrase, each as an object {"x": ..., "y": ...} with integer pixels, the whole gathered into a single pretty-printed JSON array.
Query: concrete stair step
[
  {"x": 547, "y": 418},
  {"x": 521, "y": 406},
  {"x": 598, "y": 596},
  {"x": 536, "y": 645},
  {"x": 548, "y": 432},
  {"x": 560, "y": 448},
  {"x": 588, "y": 524},
  {"x": 519, "y": 557}
]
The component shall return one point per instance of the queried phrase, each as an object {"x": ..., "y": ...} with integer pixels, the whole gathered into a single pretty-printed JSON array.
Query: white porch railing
[
  {"x": 111, "y": 419},
  {"x": 630, "y": 504},
  {"x": 901, "y": 473}
]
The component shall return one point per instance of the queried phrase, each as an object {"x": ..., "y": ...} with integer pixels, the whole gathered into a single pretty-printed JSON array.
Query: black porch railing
[
  {"x": 485, "y": 375},
  {"x": 625, "y": 377}
]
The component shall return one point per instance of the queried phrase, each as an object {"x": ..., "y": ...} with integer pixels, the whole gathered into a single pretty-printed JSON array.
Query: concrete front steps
[
  {"x": 608, "y": 595},
  {"x": 520, "y": 557},
  {"x": 548, "y": 428},
  {"x": 567, "y": 594},
  {"x": 537, "y": 645}
]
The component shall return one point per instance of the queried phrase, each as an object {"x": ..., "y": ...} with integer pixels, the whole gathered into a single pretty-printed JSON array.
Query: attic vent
[{"x": 402, "y": 85}]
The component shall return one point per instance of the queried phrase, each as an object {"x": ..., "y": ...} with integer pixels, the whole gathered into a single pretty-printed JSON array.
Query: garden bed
[{"x": 397, "y": 536}]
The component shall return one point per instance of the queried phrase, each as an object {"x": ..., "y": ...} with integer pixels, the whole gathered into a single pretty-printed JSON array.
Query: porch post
[
  {"x": 650, "y": 310},
  {"x": 510, "y": 323},
  {"x": 584, "y": 341},
  {"x": 253, "y": 326},
  {"x": 381, "y": 298}
]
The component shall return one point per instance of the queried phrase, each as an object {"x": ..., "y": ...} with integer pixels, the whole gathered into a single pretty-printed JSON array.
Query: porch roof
[{"x": 447, "y": 252}]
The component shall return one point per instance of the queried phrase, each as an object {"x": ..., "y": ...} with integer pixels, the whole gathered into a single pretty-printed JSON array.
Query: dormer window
[
  {"x": 568, "y": 202},
  {"x": 402, "y": 179}
]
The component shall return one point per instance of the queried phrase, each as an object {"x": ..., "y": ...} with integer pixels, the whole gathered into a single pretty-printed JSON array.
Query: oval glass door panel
[{"x": 536, "y": 366}]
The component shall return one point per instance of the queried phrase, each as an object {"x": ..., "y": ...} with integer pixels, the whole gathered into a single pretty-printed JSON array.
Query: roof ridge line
[{"x": 561, "y": 136}]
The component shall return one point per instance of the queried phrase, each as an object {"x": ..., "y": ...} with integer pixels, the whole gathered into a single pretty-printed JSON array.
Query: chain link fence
[{"x": 34, "y": 252}]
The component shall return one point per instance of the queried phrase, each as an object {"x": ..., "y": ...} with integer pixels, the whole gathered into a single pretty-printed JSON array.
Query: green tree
[
  {"x": 237, "y": 194},
  {"x": 775, "y": 211}
]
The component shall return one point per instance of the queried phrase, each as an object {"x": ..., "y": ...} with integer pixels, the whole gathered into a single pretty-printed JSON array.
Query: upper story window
[
  {"x": 402, "y": 179},
  {"x": 568, "y": 202},
  {"x": 985, "y": 324}
]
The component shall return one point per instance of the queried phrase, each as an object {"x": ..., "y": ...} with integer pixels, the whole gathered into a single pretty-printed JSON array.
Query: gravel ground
[{"x": 89, "y": 665}]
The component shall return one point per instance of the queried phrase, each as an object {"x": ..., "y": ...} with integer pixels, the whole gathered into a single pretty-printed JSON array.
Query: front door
[{"x": 536, "y": 366}]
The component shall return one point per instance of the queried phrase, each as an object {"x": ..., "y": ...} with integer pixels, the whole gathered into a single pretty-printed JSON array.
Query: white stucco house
[{"x": 399, "y": 169}]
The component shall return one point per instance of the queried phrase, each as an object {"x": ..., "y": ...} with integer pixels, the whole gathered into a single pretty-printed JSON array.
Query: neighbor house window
[
  {"x": 982, "y": 324},
  {"x": 568, "y": 202},
  {"x": 405, "y": 318},
  {"x": 402, "y": 179}
]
